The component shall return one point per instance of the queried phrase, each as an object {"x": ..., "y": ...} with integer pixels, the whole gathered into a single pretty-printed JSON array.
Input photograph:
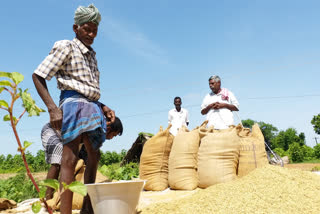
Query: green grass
[{"x": 312, "y": 161}]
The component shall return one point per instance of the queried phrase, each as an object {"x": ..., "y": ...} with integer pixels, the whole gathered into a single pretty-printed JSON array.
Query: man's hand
[
  {"x": 111, "y": 116},
  {"x": 56, "y": 116},
  {"x": 108, "y": 113},
  {"x": 218, "y": 105}
]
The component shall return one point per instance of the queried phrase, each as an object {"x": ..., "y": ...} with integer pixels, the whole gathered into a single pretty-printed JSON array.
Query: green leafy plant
[
  {"x": 115, "y": 172},
  {"x": 316, "y": 168},
  {"x": 10, "y": 85},
  {"x": 296, "y": 152},
  {"x": 308, "y": 153},
  {"x": 280, "y": 152},
  {"x": 316, "y": 123},
  {"x": 18, "y": 188},
  {"x": 317, "y": 150}
]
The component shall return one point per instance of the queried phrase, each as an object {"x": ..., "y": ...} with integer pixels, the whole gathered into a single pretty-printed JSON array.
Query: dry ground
[
  {"x": 302, "y": 166},
  {"x": 42, "y": 175},
  {"x": 36, "y": 175}
]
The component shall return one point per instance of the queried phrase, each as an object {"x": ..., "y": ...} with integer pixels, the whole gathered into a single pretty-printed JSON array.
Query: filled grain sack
[
  {"x": 183, "y": 159},
  {"x": 252, "y": 150},
  {"x": 154, "y": 160},
  {"x": 77, "y": 199},
  {"x": 7, "y": 204},
  {"x": 218, "y": 156}
]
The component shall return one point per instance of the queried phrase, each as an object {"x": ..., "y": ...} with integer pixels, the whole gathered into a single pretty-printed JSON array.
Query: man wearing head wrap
[{"x": 80, "y": 117}]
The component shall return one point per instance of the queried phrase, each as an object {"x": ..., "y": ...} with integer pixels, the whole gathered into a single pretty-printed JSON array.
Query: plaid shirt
[{"x": 74, "y": 66}]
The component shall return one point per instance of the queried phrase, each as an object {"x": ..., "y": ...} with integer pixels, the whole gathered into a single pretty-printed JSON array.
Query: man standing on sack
[
  {"x": 177, "y": 116},
  {"x": 219, "y": 104}
]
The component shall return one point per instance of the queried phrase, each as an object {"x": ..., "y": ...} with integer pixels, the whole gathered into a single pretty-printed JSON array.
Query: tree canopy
[{"x": 316, "y": 123}]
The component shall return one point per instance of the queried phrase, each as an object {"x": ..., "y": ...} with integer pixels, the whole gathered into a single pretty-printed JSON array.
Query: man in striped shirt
[{"x": 80, "y": 116}]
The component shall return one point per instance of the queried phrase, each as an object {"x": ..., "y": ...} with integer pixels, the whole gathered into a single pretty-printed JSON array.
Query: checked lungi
[
  {"x": 81, "y": 115},
  {"x": 52, "y": 145}
]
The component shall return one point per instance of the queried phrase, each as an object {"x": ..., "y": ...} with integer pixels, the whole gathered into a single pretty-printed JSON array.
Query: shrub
[
  {"x": 18, "y": 188},
  {"x": 280, "y": 152},
  {"x": 296, "y": 152},
  {"x": 115, "y": 172},
  {"x": 308, "y": 153},
  {"x": 316, "y": 149},
  {"x": 109, "y": 158},
  {"x": 316, "y": 168}
]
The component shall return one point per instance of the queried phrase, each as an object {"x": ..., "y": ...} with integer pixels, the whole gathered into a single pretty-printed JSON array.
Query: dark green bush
[
  {"x": 308, "y": 153},
  {"x": 108, "y": 158},
  {"x": 316, "y": 149},
  {"x": 18, "y": 188},
  {"x": 115, "y": 172},
  {"x": 296, "y": 152},
  {"x": 280, "y": 152}
]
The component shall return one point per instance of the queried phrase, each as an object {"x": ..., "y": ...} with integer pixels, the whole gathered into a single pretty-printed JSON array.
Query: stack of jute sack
[
  {"x": 77, "y": 200},
  {"x": 201, "y": 157}
]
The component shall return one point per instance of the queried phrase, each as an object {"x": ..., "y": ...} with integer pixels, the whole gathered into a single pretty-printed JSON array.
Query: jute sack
[
  {"x": 183, "y": 159},
  {"x": 252, "y": 150},
  {"x": 218, "y": 156},
  {"x": 154, "y": 160},
  {"x": 7, "y": 204},
  {"x": 77, "y": 199}
]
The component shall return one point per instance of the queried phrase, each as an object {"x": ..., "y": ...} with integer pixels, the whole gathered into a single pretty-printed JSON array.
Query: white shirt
[
  {"x": 220, "y": 118},
  {"x": 177, "y": 119}
]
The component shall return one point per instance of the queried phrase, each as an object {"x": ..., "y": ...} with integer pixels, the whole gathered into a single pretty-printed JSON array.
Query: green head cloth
[{"x": 87, "y": 14}]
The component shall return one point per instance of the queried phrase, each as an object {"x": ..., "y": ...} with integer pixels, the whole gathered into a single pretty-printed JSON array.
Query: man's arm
[
  {"x": 109, "y": 113},
  {"x": 218, "y": 105},
  {"x": 54, "y": 111},
  {"x": 170, "y": 118},
  {"x": 187, "y": 117},
  {"x": 207, "y": 109},
  {"x": 231, "y": 107}
]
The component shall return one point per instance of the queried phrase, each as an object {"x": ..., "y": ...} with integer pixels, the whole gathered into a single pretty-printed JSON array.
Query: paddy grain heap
[{"x": 270, "y": 189}]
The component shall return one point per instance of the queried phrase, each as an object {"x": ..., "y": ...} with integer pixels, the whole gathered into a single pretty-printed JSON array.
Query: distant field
[
  {"x": 302, "y": 166},
  {"x": 37, "y": 175},
  {"x": 42, "y": 175}
]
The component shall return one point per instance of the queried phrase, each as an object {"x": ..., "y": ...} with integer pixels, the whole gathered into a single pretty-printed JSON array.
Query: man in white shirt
[
  {"x": 219, "y": 104},
  {"x": 177, "y": 116}
]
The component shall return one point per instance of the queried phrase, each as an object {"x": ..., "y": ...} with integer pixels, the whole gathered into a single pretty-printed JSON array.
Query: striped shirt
[{"x": 74, "y": 66}]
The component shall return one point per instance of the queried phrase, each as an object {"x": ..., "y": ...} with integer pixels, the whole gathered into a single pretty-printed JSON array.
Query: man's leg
[
  {"x": 53, "y": 173},
  {"x": 68, "y": 163},
  {"x": 90, "y": 172}
]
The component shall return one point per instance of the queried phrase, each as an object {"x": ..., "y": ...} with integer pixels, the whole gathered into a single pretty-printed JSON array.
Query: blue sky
[{"x": 266, "y": 52}]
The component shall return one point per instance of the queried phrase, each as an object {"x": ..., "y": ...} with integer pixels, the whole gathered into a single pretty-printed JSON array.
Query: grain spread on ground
[{"x": 271, "y": 189}]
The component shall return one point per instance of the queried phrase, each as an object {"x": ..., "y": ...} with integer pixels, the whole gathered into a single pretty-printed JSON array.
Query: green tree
[
  {"x": 316, "y": 149},
  {"x": 316, "y": 123},
  {"x": 248, "y": 123},
  {"x": 302, "y": 138},
  {"x": 268, "y": 130},
  {"x": 280, "y": 152},
  {"x": 308, "y": 153},
  {"x": 296, "y": 152},
  {"x": 287, "y": 137}
]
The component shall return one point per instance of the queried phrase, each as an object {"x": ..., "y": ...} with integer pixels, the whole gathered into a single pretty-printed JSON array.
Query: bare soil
[
  {"x": 302, "y": 166},
  {"x": 42, "y": 175},
  {"x": 37, "y": 175}
]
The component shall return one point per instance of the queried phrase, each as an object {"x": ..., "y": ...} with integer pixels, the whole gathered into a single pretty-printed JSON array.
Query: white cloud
[{"x": 133, "y": 40}]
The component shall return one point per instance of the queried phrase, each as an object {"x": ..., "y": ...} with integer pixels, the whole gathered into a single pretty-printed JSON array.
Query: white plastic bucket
[{"x": 120, "y": 197}]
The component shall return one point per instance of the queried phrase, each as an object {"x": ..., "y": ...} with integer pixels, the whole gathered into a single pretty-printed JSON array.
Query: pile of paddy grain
[{"x": 270, "y": 189}]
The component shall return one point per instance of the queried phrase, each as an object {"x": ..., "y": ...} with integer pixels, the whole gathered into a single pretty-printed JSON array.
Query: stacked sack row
[{"x": 201, "y": 157}]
